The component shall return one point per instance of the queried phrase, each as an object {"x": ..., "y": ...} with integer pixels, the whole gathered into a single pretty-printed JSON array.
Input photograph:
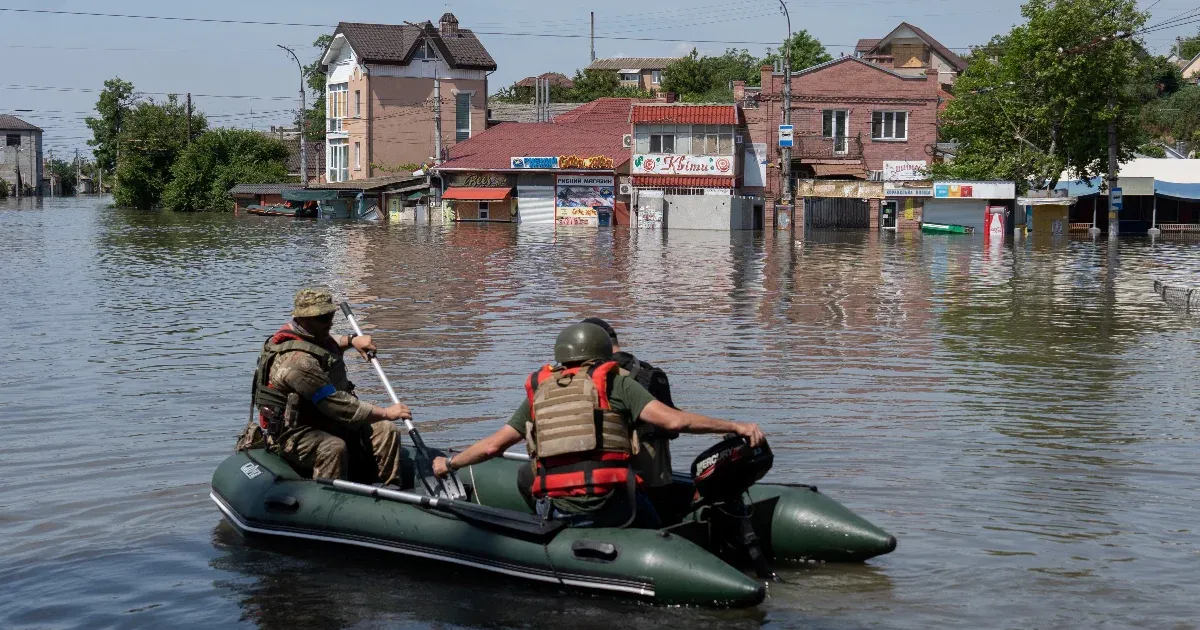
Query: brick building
[
  {"x": 380, "y": 87},
  {"x": 644, "y": 73},
  {"x": 852, "y": 118},
  {"x": 910, "y": 50}
]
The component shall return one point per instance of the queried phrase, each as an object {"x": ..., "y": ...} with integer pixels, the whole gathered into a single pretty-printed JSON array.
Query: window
[
  {"x": 425, "y": 51},
  {"x": 485, "y": 208},
  {"x": 358, "y": 103},
  {"x": 656, "y": 77},
  {"x": 663, "y": 142},
  {"x": 835, "y": 124},
  {"x": 889, "y": 125},
  {"x": 13, "y": 140},
  {"x": 462, "y": 116},
  {"x": 712, "y": 134},
  {"x": 630, "y": 77},
  {"x": 358, "y": 156},
  {"x": 641, "y": 140},
  {"x": 337, "y": 162},
  {"x": 335, "y": 105}
]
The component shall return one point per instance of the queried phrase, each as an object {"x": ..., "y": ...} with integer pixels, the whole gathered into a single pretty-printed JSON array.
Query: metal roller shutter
[{"x": 535, "y": 205}]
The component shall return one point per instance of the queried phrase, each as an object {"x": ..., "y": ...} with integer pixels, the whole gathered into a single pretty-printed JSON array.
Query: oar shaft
[{"x": 378, "y": 368}]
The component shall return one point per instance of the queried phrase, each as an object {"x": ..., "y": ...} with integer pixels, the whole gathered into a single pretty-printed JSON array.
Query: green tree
[
  {"x": 1188, "y": 47},
  {"x": 153, "y": 134},
  {"x": 1040, "y": 98},
  {"x": 1176, "y": 118},
  {"x": 3, "y": 188},
  {"x": 314, "y": 77},
  {"x": 709, "y": 79},
  {"x": 593, "y": 84},
  {"x": 205, "y": 171},
  {"x": 805, "y": 51},
  {"x": 116, "y": 99},
  {"x": 65, "y": 171}
]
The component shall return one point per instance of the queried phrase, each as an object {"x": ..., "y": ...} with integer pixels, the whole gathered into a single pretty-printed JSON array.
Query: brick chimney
[
  {"x": 739, "y": 91},
  {"x": 448, "y": 25}
]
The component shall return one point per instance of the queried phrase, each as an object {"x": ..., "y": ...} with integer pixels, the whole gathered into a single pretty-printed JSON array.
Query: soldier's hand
[
  {"x": 398, "y": 411},
  {"x": 751, "y": 432},
  {"x": 365, "y": 346},
  {"x": 439, "y": 467}
]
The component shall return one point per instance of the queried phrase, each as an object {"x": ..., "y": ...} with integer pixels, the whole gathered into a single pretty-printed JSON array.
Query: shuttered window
[{"x": 462, "y": 116}]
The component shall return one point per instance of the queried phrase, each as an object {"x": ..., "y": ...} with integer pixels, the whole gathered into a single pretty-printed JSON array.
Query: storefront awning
[
  {"x": 839, "y": 170},
  {"x": 682, "y": 181},
  {"x": 413, "y": 196},
  {"x": 310, "y": 194},
  {"x": 477, "y": 194}
]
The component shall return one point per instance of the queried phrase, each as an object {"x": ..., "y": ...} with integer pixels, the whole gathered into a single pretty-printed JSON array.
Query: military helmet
[{"x": 582, "y": 342}]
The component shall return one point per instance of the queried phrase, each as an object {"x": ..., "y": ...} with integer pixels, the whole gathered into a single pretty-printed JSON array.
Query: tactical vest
[
  {"x": 269, "y": 400},
  {"x": 580, "y": 447},
  {"x": 643, "y": 374}
]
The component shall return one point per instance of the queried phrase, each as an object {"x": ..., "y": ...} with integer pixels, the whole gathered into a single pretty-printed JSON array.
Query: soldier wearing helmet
[
  {"x": 333, "y": 433},
  {"x": 578, "y": 423}
]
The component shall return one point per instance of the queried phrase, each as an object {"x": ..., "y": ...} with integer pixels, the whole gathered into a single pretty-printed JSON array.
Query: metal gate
[{"x": 836, "y": 212}]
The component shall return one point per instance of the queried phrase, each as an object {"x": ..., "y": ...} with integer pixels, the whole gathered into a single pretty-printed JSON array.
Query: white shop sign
[
  {"x": 904, "y": 170},
  {"x": 683, "y": 165}
]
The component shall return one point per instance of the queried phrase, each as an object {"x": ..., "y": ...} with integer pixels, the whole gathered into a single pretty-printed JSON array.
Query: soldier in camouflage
[{"x": 334, "y": 434}]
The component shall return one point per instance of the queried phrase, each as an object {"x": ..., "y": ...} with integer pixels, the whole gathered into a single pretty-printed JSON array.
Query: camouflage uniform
[{"x": 332, "y": 435}]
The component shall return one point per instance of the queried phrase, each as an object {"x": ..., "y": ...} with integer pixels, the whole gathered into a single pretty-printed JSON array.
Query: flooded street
[{"x": 1023, "y": 420}]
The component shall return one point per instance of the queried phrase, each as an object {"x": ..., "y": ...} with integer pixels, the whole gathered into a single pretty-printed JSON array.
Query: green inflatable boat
[
  {"x": 698, "y": 561},
  {"x": 946, "y": 228}
]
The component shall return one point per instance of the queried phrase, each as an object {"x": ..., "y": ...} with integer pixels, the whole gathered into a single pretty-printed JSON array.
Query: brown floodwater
[{"x": 1023, "y": 419}]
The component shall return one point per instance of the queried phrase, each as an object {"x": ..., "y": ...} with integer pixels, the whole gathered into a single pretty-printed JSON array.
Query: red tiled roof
[
  {"x": 682, "y": 181},
  {"x": 866, "y": 45},
  {"x": 557, "y": 79},
  {"x": 590, "y": 130},
  {"x": 694, "y": 114}
]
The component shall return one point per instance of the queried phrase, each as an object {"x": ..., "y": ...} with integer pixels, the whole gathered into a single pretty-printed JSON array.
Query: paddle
[
  {"x": 451, "y": 488},
  {"x": 517, "y": 524}
]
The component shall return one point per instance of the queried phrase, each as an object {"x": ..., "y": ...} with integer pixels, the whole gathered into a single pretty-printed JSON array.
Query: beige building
[
  {"x": 1191, "y": 69},
  {"x": 640, "y": 72},
  {"x": 380, "y": 86},
  {"x": 910, "y": 50}
]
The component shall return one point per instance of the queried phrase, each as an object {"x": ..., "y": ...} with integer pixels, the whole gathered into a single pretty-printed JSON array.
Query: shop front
[{"x": 966, "y": 204}]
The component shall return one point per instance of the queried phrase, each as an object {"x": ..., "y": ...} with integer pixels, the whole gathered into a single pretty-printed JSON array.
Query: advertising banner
[
  {"x": 903, "y": 170},
  {"x": 974, "y": 190},
  {"x": 581, "y": 199},
  {"x": 993, "y": 226},
  {"x": 682, "y": 165}
]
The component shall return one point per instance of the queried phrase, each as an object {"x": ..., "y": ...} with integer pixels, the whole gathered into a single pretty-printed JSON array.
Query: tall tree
[
  {"x": 708, "y": 79},
  {"x": 65, "y": 172},
  {"x": 112, "y": 108},
  {"x": 205, "y": 171},
  {"x": 1040, "y": 99},
  {"x": 314, "y": 77},
  {"x": 152, "y": 135},
  {"x": 805, "y": 51},
  {"x": 1176, "y": 118}
]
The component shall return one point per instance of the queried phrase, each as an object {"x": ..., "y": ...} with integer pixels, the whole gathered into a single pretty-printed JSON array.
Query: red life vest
[{"x": 592, "y": 472}]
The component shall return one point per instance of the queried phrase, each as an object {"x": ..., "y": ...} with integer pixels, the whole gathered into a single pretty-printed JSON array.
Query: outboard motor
[{"x": 722, "y": 475}]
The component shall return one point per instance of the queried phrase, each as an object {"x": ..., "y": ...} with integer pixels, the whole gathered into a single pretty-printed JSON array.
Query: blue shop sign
[{"x": 535, "y": 162}]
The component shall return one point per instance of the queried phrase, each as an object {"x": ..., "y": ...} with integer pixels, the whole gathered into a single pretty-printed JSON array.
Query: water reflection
[{"x": 1021, "y": 417}]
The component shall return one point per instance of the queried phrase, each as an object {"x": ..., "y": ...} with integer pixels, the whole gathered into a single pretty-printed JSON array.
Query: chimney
[
  {"x": 448, "y": 25},
  {"x": 739, "y": 91}
]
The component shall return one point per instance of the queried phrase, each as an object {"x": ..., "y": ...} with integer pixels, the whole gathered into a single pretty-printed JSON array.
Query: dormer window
[{"x": 425, "y": 51}]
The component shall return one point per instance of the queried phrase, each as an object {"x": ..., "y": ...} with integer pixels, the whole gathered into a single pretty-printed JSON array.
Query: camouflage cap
[{"x": 313, "y": 303}]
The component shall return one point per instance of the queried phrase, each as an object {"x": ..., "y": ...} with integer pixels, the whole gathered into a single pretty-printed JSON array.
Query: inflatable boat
[
  {"x": 698, "y": 560},
  {"x": 946, "y": 228}
]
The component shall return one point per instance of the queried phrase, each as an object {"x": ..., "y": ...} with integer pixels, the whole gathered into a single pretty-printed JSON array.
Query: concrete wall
[
  {"x": 30, "y": 156},
  {"x": 708, "y": 212}
]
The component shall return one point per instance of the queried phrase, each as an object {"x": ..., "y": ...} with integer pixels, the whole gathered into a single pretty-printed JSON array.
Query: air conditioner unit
[
  {"x": 627, "y": 140},
  {"x": 626, "y": 189}
]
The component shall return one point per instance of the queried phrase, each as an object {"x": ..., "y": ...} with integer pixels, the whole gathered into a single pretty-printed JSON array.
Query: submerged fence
[{"x": 1186, "y": 298}]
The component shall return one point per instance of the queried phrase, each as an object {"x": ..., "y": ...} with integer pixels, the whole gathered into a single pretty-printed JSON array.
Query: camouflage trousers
[{"x": 368, "y": 453}]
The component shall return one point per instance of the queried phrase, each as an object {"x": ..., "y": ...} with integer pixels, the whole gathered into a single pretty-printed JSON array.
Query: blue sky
[{"x": 55, "y": 51}]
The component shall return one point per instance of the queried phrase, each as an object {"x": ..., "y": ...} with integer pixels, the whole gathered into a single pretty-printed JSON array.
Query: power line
[{"x": 50, "y": 88}]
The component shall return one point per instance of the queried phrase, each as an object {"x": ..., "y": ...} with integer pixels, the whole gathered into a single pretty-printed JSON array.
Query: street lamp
[
  {"x": 787, "y": 117},
  {"x": 303, "y": 116}
]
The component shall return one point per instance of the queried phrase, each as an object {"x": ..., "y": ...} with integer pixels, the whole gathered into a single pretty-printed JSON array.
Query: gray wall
[
  {"x": 708, "y": 212},
  {"x": 30, "y": 156}
]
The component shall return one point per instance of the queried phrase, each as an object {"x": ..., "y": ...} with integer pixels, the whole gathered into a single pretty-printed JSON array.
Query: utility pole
[
  {"x": 303, "y": 116},
  {"x": 1114, "y": 215},
  {"x": 787, "y": 119},
  {"x": 593, "y": 37},
  {"x": 437, "y": 118},
  {"x": 189, "y": 119},
  {"x": 78, "y": 173}
]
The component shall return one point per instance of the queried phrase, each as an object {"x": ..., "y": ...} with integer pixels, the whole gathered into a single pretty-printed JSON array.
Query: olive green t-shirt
[{"x": 627, "y": 398}]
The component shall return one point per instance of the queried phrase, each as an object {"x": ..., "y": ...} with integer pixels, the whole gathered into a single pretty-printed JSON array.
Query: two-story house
[
  {"x": 852, "y": 120},
  {"x": 381, "y": 87},
  {"x": 20, "y": 156},
  {"x": 910, "y": 50},
  {"x": 645, "y": 73}
]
